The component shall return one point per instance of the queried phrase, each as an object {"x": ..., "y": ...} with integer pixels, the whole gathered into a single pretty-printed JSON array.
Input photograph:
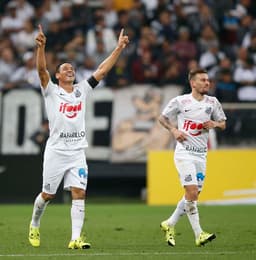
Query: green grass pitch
[{"x": 128, "y": 231}]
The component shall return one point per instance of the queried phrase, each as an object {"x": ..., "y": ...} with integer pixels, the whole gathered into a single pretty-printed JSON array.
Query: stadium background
[{"x": 167, "y": 38}]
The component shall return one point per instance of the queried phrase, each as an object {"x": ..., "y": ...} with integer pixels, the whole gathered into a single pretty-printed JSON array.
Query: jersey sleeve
[
  {"x": 49, "y": 88},
  {"x": 85, "y": 85},
  {"x": 218, "y": 113},
  {"x": 171, "y": 109}
]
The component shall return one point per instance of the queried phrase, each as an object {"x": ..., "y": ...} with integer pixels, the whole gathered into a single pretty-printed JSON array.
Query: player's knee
[
  {"x": 77, "y": 193},
  {"x": 193, "y": 196},
  {"x": 191, "y": 193},
  {"x": 47, "y": 196}
]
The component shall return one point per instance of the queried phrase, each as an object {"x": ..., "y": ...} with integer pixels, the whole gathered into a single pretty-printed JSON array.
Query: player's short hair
[
  {"x": 192, "y": 73},
  {"x": 57, "y": 69}
]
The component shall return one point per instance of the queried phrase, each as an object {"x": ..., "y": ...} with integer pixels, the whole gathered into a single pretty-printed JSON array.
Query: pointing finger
[
  {"x": 40, "y": 28},
  {"x": 122, "y": 32}
]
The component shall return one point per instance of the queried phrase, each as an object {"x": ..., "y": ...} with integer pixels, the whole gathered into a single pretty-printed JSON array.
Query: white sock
[
  {"x": 193, "y": 216},
  {"x": 38, "y": 210},
  {"x": 178, "y": 212},
  {"x": 77, "y": 218}
]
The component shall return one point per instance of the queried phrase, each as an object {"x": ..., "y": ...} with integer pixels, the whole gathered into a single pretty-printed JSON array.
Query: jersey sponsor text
[
  {"x": 193, "y": 128},
  {"x": 72, "y": 134},
  {"x": 191, "y": 148},
  {"x": 69, "y": 110}
]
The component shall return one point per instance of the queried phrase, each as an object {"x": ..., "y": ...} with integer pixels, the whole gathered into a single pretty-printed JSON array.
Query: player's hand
[
  {"x": 209, "y": 125},
  {"x": 123, "y": 40},
  {"x": 40, "y": 38},
  {"x": 179, "y": 135}
]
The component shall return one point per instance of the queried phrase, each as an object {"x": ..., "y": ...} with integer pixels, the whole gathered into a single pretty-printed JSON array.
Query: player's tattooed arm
[
  {"x": 178, "y": 135},
  {"x": 214, "y": 124}
]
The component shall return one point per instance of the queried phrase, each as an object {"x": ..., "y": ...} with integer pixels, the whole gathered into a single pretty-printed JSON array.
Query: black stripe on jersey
[{"x": 93, "y": 82}]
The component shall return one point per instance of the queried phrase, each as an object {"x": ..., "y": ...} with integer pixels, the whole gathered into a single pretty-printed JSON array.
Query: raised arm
[
  {"x": 109, "y": 62},
  {"x": 40, "y": 58}
]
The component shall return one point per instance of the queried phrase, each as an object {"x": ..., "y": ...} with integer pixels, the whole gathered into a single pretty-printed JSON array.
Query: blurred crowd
[{"x": 167, "y": 38}]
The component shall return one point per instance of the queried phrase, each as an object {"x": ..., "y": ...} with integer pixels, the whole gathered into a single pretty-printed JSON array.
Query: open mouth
[{"x": 70, "y": 75}]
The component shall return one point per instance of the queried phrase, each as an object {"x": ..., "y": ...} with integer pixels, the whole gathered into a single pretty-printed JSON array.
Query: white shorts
[
  {"x": 69, "y": 166},
  {"x": 191, "y": 172}
]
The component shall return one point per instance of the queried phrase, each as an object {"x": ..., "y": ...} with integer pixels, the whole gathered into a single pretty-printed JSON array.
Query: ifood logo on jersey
[
  {"x": 69, "y": 110},
  {"x": 193, "y": 128}
]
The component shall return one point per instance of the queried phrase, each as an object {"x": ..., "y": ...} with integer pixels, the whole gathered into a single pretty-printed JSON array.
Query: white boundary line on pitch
[{"x": 126, "y": 254}]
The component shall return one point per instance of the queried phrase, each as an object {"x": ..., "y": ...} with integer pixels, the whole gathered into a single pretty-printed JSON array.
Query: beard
[{"x": 204, "y": 91}]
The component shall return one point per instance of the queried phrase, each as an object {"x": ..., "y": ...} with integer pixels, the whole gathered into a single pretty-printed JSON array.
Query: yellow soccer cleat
[
  {"x": 34, "y": 236},
  {"x": 204, "y": 238},
  {"x": 169, "y": 233},
  {"x": 79, "y": 244}
]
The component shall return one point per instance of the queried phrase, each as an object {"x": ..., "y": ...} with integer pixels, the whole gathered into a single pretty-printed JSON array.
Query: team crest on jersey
[
  {"x": 77, "y": 93},
  {"x": 208, "y": 110}
]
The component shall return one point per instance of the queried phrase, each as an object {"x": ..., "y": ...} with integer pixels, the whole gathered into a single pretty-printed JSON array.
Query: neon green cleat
[
  {"x": 169, "y": 233},
  {"x": 204, "y": 238},
  {"x": 79, "y": 244},
  {"x": 34, "y": 236}
]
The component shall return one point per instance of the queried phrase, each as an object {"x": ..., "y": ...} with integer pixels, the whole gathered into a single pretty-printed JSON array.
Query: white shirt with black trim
[{"x": 66, "y": 115}]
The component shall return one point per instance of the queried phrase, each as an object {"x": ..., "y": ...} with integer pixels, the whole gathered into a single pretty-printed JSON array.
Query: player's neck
[
  {"x": 67, "y": 86},
  {"x": 197, "y": 96}
]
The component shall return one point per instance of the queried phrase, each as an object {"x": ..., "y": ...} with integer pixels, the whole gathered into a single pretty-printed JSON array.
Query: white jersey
[
  {"x": 190, "y": 115},
  {"x": 66, "y": 115}
]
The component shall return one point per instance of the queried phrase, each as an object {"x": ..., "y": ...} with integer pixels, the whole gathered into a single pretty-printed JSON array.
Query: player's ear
[
  {"x": 192, "y": 83},
  {"x": 57, "y": 75}
]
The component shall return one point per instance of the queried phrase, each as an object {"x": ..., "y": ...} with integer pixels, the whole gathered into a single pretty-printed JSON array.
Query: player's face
[
  {"x": 66, "y": 73},
  {"x": 201, "y": 83}
]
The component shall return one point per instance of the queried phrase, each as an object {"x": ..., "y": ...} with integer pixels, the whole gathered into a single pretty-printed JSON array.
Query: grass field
[{"x": 128, "y": 231}]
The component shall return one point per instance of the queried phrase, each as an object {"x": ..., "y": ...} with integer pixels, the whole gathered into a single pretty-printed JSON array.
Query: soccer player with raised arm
[
  {"x": 195, "y": 113},
  {"x": 64, "y": 157}
]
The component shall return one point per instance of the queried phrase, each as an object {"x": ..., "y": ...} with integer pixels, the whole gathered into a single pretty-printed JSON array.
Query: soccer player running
[
  {"x": 64, "y": 156},
  {"x": 195, "y": 113}
]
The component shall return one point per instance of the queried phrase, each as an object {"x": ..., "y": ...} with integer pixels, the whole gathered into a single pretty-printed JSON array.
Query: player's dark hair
[
  {"x": 194, "y": 72},
  {"x": 57, "y": 69}
]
